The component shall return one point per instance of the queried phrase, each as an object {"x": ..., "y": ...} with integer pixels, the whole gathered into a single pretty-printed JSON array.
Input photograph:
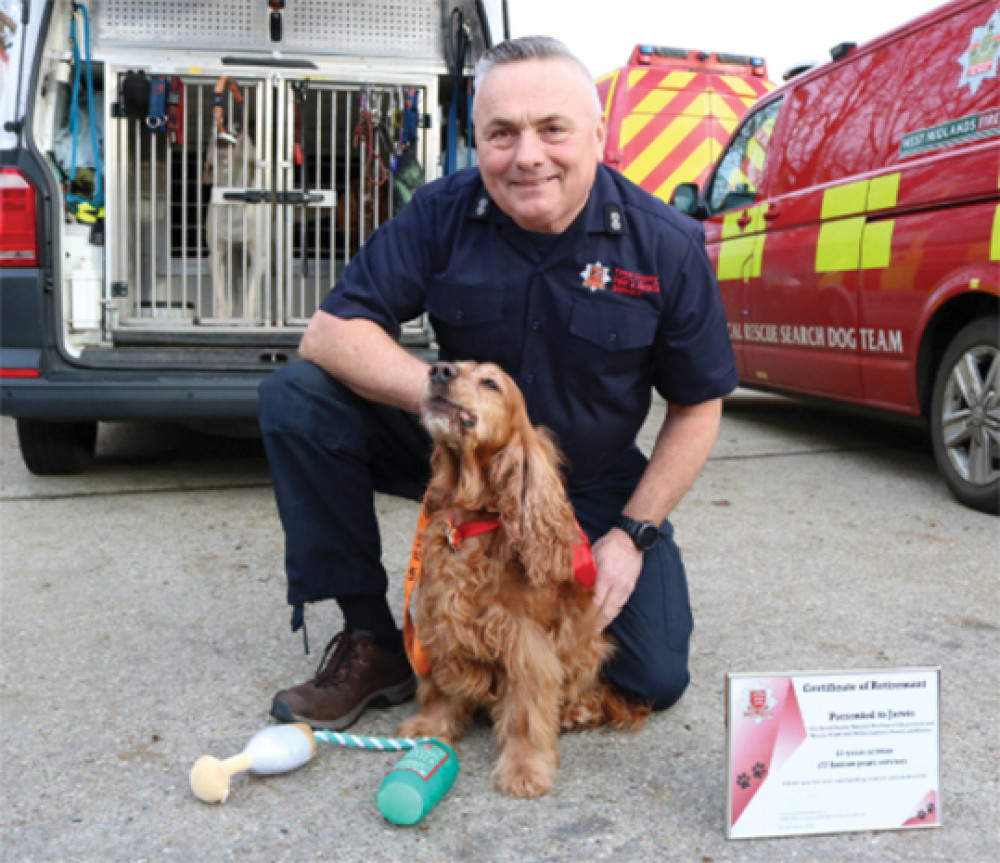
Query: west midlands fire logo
[
  {"x": 595, "y": 276},
  {"x": 760, "y": 705},
  {"x": 979, "y": 62}
]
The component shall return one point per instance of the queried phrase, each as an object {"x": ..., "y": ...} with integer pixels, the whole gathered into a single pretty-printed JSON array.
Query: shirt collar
[{"x": 597, "y": 217}]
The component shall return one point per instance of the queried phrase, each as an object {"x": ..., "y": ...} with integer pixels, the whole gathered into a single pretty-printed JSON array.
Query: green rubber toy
[{"x": 418, "y": 782}]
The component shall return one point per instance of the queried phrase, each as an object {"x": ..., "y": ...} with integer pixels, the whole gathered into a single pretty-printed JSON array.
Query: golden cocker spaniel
[{"x": 501, "y": 619}]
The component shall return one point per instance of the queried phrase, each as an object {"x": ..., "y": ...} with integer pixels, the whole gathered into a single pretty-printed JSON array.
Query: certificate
[{"x": 832, "y": 752}]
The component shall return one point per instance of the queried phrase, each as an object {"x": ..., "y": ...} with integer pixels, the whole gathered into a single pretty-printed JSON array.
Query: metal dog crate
[
  {"x": 302, "y": 187},
  {"x": 206, "y": 236}
]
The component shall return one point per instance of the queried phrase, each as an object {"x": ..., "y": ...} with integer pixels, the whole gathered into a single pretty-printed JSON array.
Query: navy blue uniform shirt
[{"x": 586, "y": 322}]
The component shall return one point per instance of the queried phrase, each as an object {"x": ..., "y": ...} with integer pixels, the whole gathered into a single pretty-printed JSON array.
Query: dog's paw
[
  {"x": 529, "y": 773},
  {"x": 585, "y": 713},
  {"x": 423, "y": 725}
]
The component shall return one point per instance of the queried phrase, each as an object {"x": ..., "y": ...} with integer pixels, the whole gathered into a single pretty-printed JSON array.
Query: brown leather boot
[{"x": 354, "y": 674}]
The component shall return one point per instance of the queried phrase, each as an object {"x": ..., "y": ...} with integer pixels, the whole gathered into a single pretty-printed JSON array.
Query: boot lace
[{"x": 336, "y": 662}]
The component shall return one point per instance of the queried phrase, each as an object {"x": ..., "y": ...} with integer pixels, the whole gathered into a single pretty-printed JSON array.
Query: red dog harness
[{"x": 584, "y": 571}]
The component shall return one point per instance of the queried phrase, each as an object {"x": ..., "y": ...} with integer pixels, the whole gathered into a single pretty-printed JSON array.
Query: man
[{"x": 584, "y": 288}]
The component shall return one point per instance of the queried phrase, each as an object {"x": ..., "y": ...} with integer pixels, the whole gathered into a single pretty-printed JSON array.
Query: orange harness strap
[{"x": 584, "y": 571}]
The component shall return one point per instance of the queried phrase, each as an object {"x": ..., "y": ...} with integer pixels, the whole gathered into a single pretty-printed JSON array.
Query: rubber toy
[
  {"x": 414, "y": 786},
  {"x": 418, "y": 782},
  {"x": 277, "y": 749}
]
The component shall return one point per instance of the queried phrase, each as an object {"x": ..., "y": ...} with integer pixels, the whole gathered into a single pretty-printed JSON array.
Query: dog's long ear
[
  {"x": 443, "y": 482},
  {"x": 536, "y": 513}
]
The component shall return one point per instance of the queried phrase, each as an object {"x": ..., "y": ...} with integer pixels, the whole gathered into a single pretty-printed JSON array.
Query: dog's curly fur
[{"x": 504, "y": 623}]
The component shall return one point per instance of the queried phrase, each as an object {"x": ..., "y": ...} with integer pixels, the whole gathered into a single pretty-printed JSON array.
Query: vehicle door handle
[
  {"x": 772, "y": 213},
  {"x": 744, "y": 220}
]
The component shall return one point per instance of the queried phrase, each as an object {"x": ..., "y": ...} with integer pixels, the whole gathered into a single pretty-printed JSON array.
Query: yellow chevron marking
[
  {"x": 722, "y": 110},
  {"x": 635, "y": 77},
  {"x": 613, "y": 76},
  {"x": 737, "y": 85},
  {"x": 677, "y": 80},
  {"x": 660, "y": 148},
  {"x": 655, "y": 102},
  {"x": 729, "y": 124},
  {"x": 690, "y": 168}
]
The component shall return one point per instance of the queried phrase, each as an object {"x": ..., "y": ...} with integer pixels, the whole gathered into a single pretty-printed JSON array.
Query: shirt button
[
  {"x": 458, "y": 314},
  {"x": 535, "y": 324},
  {"x": 612, "y": 337},
  {"x": 529, "y": 379}
]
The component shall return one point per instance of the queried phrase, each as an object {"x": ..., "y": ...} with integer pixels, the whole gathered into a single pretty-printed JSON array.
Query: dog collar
[
  {"x": 458, "y": 533},
  {"x": 584, "y": 568}
]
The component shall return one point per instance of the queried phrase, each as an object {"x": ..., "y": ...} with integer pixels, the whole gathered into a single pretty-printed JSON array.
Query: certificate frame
[{"x": 816, "y": 752}]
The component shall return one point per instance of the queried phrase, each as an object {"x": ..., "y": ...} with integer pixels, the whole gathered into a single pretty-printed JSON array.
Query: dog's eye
[{"x": 490, "y": 384}]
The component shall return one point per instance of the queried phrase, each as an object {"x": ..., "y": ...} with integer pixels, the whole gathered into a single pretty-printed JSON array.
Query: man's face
[{"x": 539, "y": 139}]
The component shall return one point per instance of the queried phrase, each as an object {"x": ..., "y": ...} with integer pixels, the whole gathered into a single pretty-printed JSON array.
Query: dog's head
[
  {"x": 471, "y": 407},
  {"x": 487, "y": 454}
]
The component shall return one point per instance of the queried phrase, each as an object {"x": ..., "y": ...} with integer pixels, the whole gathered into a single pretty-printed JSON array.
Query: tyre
[
  {"x": 52, "y": 448},
  {"x": 965, "y": 415}
]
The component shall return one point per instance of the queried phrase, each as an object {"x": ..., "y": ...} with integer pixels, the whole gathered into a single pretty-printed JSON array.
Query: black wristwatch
[{"x": 643, "y": 533}]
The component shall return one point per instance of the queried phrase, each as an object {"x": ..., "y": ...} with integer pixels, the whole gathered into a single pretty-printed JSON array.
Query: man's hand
[{"x": 619, "y": 563}]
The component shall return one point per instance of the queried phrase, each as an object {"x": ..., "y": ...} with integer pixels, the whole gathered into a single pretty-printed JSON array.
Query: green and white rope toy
[
  {"x": 280, "y": 749},
  {"x": 382, "y": 744}
]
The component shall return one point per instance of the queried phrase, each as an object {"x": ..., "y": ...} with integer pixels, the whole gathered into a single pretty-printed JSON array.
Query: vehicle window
[{"x": 737, "y": 180}]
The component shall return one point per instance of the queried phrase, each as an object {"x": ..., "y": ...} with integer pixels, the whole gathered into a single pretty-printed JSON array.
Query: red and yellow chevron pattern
[{"x": 673, "y": 123}]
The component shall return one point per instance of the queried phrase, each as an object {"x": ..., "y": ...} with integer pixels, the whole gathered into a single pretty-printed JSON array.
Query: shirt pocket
[
  {"x": 466, "y": 318},
  {"x": 623, "y": 332}
]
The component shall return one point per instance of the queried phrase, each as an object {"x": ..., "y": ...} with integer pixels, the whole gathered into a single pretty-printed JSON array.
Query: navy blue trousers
[{"x": 329, "y": 450}]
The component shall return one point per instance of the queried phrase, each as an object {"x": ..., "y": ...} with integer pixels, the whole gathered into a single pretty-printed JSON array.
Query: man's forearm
[
  {"x": 682, "y": 447},
  {"x": 365, "y": 358}
]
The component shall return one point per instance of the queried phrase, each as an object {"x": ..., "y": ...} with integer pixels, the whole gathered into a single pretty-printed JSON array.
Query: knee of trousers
[
  {"x": 302, "y": 398},
  {"x": 658, "y": 680}
]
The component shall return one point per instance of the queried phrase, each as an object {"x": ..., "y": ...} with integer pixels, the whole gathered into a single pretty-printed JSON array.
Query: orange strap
[
  {"x": 414, "y": 650},
  {"x": 584, "y": 571}
]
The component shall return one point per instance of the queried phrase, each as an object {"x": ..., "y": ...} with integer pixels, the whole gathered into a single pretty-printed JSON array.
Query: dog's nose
[{"x": 441, "y": 373}]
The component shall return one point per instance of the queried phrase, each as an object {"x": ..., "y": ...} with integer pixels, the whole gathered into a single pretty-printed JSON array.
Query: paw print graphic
[
  {"x": 759, "y": 771},
  {"x": 930, "y": 808},
  {"x": 743, "y": 781}
]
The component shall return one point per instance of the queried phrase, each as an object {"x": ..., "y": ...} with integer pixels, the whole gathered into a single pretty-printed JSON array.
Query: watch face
[{"x": 645, "y": 536}]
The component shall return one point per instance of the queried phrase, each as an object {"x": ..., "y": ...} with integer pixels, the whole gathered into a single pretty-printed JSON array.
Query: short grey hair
[{"x": 529, "y": 48}]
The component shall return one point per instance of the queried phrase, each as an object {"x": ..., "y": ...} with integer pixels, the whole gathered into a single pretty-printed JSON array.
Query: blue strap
[{"x": 98, "y": 200}]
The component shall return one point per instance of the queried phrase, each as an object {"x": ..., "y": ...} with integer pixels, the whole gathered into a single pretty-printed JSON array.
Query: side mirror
[{"x": 685, "y": 199}]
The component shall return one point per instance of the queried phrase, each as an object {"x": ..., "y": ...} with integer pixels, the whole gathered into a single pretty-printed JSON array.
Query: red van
[
  {"x": 670, "y": 111},
  {"x": 854, "y": 224}
]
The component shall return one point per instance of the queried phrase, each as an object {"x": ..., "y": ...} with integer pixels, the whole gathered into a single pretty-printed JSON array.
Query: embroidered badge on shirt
[
  {"x": 595, "y": 276},
  {"x": 634, "y": 284}
]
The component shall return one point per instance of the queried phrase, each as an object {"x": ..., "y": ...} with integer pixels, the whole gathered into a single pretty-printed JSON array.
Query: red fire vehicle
[
  {"x": 854, "y": 224},
  {"x": 670, "y": 112}
]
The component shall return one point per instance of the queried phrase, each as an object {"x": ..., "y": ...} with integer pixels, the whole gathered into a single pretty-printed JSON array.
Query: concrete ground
[{"x": 144, "y": 624}]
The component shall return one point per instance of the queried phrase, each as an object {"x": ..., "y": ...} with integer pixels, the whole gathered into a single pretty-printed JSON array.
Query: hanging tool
[
  {"x": 300, "y": 92},
  {"x": 364, "y": 135},
  {"x": 224, "y": 135},
  {"x": 458, "y": 44},
  {"x": 96, "y": 201}
]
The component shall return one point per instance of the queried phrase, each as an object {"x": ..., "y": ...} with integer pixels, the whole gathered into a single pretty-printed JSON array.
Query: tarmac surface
[{"x": 144, "y": 625}]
